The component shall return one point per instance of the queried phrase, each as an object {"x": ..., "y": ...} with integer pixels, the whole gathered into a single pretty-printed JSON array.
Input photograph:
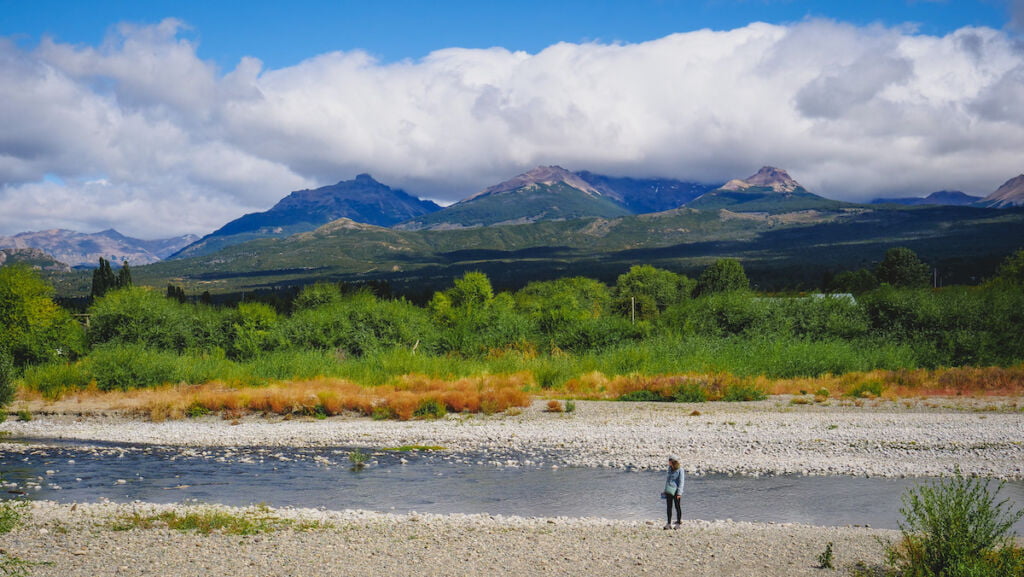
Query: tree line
[{"x": 900, "y": 322}]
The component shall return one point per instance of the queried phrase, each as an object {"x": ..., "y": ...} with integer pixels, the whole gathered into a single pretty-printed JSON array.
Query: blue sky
[
  {"x": 284, "y": 33},
  {"x": 160, "y": 118}
]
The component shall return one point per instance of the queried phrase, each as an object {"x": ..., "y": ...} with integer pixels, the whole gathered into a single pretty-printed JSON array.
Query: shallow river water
[{"x": 436, "y": 482}]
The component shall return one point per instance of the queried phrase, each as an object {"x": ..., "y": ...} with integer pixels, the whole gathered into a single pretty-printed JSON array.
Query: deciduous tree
[
  {"x": 902, "y": 268},
  {"x": 724, "y": 275}
]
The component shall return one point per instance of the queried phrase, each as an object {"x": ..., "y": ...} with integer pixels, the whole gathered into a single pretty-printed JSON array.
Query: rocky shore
[
  {"x": 67, "y": 541},
  {"x": 877, "y": 438}
]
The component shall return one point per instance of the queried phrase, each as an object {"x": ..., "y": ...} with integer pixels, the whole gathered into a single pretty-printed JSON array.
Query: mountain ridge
[
  {"x": 940, "y": 198},
  {"x": 78, "y": 249},
  {"x": 1010, "y": 194},
  {"x": 542, "y": 193},
  {"x": 771, "y": 190},
  {"x": 362, "y": 199}
]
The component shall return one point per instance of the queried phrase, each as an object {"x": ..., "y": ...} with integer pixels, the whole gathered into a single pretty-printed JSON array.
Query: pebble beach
[{"x": 924, "y": 437}]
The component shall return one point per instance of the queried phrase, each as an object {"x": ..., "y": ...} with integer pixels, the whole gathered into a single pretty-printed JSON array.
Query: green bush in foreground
[{"x": 955, "y": 528}]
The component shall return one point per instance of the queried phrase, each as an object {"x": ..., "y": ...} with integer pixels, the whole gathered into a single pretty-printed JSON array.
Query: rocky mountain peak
[
  {"x": 542, "y": 175},
  {"x": 776, "y": 179},
  {"x": 1011, "y": 193}
]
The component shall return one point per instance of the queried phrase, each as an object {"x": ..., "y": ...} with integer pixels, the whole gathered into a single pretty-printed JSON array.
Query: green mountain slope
[
  {"x": 544, "y": 193},
  {"x": 784, "y": 250},
  {"x": 362, "y": 199}
]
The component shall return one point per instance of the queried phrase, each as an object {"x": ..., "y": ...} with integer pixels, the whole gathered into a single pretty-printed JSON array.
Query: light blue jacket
[{"x": 674, "y": 482}]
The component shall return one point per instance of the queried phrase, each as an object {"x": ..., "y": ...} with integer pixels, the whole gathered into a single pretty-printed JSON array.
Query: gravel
[
  {"x": 875, "y": 438},
  {"x": 78, "y": 541},
  {"x": 881, "y": 439}
]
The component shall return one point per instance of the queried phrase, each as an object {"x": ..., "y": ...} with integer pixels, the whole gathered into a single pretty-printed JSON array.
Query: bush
[
  {"x": 430, "y": 408},
  {"x": 7, "y": 389},
  {"x": 738, "y": 392},
  {"x": 867, "y": 390},
  {"x": 642, "y": 395},
  {"x": 131, "y": 366},
  {"x": 955, "y": 528},
  {"x": 139, "y": 316},
  {"x": 53, "y": 380},
  {"x": 690, "y": 393}
]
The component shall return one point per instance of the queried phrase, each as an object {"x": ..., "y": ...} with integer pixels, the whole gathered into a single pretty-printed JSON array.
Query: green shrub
[
  {"x": 358, "y": 459},
  {"x": 53, "y": 380},
  {"x": 130, "y": 366},
  {"x": 743, "y": 392},
  {"x": 642, "y": 395},
  {"x": 430, "y": 409},
  {"x": 382, "y": 413},
  {"x": 196, "y": 410},
  {"x": 7, "y": 388},
  {"x": 552, "y": 372},
  {"x": 868, "y": 389},
  {"x": 825, "y": 558},
  {"x": 690, "y": 393},
  {"x": 144, "y": 317},
  {"x": 955, "y": 528}
]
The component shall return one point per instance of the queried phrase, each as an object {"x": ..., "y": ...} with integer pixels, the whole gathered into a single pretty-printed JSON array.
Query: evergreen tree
[
  {"x": 103, "y": 279},
  {"x": 176, "y": 292},
  {"x": 124, "y": 276}
]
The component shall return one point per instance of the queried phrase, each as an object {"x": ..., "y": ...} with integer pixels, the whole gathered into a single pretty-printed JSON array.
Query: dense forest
[{"x": 650, "y": 322}]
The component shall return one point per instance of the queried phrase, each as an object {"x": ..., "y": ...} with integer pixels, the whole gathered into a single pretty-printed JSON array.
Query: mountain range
[
  {"x": 362, "y": 199},
  {"x": 550, "y": 222},
  {"x": 77, "y": 249},
  {"x": 940, "y": 198}
]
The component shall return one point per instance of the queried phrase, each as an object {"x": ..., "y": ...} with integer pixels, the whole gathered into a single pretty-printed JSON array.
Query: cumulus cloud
[{"x": 141, "y": 134}]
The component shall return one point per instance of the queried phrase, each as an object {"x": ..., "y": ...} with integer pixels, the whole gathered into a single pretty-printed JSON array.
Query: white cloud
[{"x": 147, "y": 137}]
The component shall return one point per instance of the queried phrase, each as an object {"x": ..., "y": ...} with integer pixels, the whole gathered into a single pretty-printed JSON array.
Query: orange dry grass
[
  {"x": 903, "y": 383},
  {"x": 326, "y": 397}
]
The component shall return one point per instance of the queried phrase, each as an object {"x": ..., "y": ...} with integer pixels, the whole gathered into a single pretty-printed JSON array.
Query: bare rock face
[
  {"x": 542, "y": 175},
  {"x": 1011, "y": 193},
  {"x": 776, "y": 179}
]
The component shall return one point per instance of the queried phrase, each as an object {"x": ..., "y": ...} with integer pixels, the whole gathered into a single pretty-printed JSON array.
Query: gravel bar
[
  {"x": 877, "y": 438},
  {"x": 873, "y": 438},
  {"x": 79, "y": 541}
]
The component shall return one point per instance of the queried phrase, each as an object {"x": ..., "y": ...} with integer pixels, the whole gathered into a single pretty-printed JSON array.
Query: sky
[{"x": 163, "y": 118}]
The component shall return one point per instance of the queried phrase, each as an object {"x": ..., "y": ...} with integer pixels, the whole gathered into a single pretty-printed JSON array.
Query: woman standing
[{"x": 673, "y": 493}]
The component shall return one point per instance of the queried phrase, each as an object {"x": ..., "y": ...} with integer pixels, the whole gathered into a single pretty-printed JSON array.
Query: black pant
[{"x": 669, "y": 500}]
